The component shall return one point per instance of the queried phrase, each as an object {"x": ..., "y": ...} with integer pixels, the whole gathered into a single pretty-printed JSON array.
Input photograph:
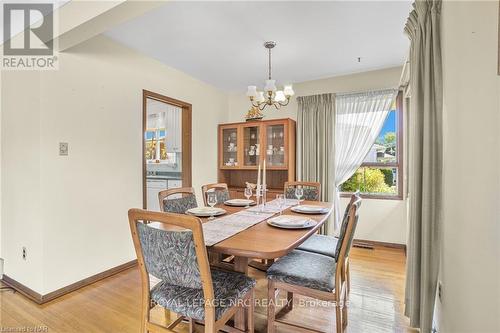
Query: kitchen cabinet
[
  {"x": 174, "y": 183},
  {"x": 153, "y": 187},
  {"x": 173, "y": 127}
]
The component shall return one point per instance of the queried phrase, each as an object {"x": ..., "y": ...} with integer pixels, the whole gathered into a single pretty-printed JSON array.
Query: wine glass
[
  {"x": 212, "y": 201},
  {"x": 299, "y": 192},
  {"x": 248, "y": 195},
  {"x": 280, "y": 198}
]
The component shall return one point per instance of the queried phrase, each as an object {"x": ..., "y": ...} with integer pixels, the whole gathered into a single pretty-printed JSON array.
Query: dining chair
[
  {"x": 177, "y": 200},
  {"x": 329, "y": 245},
  {"x": 221, "y": 191},
  {"x": 171, "y": 248},
  {"x": 313, "y": 275},
  {"x": 312, "y": 190}
]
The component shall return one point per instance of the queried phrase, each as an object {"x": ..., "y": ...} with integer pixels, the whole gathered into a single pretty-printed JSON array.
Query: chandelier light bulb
[
  {"x": 252, "y": 91},
  {"x": 288, "y": 91},
  {"x": 270, "y": 85},
  {"x": 260, "y": 97},
  {"x": 280, "y": 96}
]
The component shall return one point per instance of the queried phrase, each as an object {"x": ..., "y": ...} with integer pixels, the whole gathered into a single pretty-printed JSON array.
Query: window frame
[{"x": 399, "y": 159}]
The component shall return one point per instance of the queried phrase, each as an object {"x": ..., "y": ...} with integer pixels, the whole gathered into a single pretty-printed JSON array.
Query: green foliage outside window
[{"x": 370, "y": 180}]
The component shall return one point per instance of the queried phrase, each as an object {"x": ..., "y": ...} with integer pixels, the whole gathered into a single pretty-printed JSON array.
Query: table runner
[{"x": 224, "y": 227}]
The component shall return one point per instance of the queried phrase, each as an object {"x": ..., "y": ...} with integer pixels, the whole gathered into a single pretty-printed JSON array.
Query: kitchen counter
[{"x": 164, "y": 177}]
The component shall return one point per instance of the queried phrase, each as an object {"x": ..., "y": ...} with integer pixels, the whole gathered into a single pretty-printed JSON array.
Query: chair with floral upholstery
[
  {"x": 312, "y": 190},
  {"x": 177, "y": 200},
  {"x": 171, "y": 248},
  {"x": 221, "y": 191},
  {"x": 314, "y": 275}
]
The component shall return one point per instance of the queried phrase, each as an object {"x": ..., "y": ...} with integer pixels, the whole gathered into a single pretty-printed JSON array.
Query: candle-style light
[{"x": 270, "y": 96}]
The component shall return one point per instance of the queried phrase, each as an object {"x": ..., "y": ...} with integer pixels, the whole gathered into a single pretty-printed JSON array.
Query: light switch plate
[{"x": 63, "y": 149}]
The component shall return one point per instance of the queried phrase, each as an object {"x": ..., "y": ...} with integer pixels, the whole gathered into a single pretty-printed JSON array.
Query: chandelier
[{"x": 270, "y": 96}]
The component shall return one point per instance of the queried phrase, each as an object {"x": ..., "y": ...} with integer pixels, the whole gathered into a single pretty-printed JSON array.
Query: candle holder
[
  {"x": 258, "y": 194},
  {"x": 264, "y": 195}
]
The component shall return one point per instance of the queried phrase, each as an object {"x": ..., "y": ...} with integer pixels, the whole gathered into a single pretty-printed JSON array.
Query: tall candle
[
  {"x": 264, "y": 177},
  {"x": 258, "y": 181}
]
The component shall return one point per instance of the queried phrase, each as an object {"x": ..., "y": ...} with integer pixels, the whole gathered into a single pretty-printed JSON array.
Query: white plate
[
  {"x": 206, "y": 211},
  {"x": 309, "y": 209},
  {"x": 291, "y": 222},
  {"x": 239, "y": 202}
]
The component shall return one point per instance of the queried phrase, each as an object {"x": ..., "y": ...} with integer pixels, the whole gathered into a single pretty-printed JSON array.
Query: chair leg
[
  {"x": 166, "y": 312},
  {"x": 191, "y": 325},
  {"x": 338, "y": 318},
  {"x": 289, "y": 300},
  {"x": 210, "y": 327},
  {"x": 271, "y": 309},
  {"x": 348, "y": 278},
  {"x": 251, "y": 310},
  {"x": 344, "y": 311}
]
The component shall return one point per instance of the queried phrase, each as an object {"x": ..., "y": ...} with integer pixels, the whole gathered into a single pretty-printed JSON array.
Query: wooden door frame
[{"x": 186, "y": 139}]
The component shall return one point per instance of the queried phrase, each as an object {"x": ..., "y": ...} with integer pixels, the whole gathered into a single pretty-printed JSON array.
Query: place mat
[{"x": 217, "y": 230}]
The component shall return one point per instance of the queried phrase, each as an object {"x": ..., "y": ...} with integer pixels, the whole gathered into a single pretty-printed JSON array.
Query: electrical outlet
[
  {"x": 63, "y": 149},
  {"x": 24, "y": 253}
]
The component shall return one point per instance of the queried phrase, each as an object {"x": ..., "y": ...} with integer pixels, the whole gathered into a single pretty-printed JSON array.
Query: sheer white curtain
[{"x": 359, "y": 119}]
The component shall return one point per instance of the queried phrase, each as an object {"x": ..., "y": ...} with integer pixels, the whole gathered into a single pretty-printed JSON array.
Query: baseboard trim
[
  {"x": 41, "y": 299},
  {"x": 361, "y": 242},
  {"x": 22, "y": 289}
]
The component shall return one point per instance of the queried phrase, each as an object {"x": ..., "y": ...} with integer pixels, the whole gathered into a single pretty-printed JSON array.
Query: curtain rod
[{"x": 353, "y": 92}]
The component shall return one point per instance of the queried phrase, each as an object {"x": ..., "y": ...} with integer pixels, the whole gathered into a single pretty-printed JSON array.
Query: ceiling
[{"x": 221, "y": 43}]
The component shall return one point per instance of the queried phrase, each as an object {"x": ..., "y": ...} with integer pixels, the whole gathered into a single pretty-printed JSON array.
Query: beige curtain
[
  {"x": 425, "y": 162},
  {"x": 315, "y": 140}
]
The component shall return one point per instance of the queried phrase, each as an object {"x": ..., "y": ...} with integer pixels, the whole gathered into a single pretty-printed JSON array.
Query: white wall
[
  {"x": 381, "y": 220},
  {"x": 73, "y": 209},
  {"x": 471, "y": 233},
  {"x": 22, "y": 224}
]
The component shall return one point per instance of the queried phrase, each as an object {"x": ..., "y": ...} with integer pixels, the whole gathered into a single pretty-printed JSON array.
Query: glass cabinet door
[
  {"x": 275, "y": 145},
  {"x": 230, "y": 147},
  {"x": 251, "y": 145}
]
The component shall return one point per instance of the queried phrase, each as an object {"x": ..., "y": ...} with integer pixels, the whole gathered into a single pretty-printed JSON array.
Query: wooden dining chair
[
  {"x": 171, "y": 248},
  {"x": 312, "y": 190},
  {"x": 221, "y": 191},
  {"x": 313, "y": 275},
  {"x": 177, "y": 200},
  {"x": 329, "y": 245}
]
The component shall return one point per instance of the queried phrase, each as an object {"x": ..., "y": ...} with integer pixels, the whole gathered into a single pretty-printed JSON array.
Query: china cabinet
[{"x": 243, "y": 145}]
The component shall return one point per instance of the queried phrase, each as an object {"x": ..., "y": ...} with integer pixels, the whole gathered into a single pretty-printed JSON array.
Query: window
[{"x": 380, "y": 175}]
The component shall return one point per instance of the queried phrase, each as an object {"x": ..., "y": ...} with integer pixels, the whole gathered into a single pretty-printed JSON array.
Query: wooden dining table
[{"x": 263, "y": 241}]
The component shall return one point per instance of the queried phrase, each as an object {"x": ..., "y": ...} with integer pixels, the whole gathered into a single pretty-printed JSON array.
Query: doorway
[{"x": 166, "y": 142}]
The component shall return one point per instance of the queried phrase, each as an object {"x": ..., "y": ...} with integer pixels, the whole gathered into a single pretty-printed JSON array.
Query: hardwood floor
[{"x": 113, "y": 304}]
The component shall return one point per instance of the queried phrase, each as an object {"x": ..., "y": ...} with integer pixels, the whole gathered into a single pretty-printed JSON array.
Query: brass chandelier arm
[{"x": 269, "y": 101}]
